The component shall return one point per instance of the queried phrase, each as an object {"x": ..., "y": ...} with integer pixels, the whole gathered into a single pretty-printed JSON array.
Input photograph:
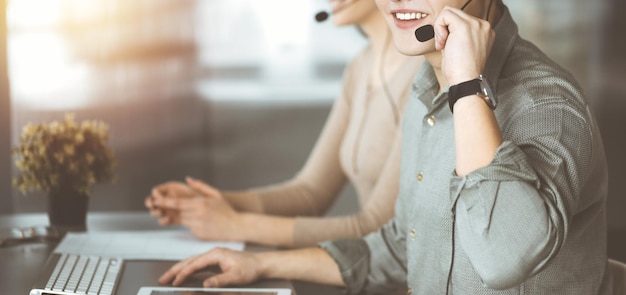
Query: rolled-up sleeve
[
  {"x": 513, "y": 215},
  {"x": 375, "y": 264}
]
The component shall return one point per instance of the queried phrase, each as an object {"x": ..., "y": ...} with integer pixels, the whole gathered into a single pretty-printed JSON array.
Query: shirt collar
[{"x": 506, "y": 36}]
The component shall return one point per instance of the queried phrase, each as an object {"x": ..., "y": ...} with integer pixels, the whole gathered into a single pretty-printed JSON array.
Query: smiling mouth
[{"x": 408, "y": 16}]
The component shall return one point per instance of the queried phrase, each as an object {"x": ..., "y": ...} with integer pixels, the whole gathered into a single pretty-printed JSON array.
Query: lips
[{"x": 407, "y": 19}]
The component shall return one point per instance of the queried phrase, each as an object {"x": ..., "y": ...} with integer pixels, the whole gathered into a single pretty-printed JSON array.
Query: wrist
[
  {"x": 475, "y": 87},
  {"x": 469, "y": 103},
  {"x": 244, "y": 223},
  {"x": 264, "y": 261}
]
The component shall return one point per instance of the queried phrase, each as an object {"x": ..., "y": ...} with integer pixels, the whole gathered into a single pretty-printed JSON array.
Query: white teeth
[{"x": 410, "y": 15}]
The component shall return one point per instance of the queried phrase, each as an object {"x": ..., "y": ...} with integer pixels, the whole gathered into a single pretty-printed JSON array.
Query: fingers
[
  {"x": 220, "y": 280},
  {"x": 148, "y": 202},
  {"x": 444, "y": 24},
  {"x": 171, "y": 273},
  {"x": 159, "y": 191},
  {"x": 192, "y": 265},
  {"x": 173, "y": 203},
  {"x": 202, "y": 187},
  {"x": 164, "y": 220}
]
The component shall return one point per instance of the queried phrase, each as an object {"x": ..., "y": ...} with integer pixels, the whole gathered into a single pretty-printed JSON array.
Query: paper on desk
[{"x": 141, "y": 245}]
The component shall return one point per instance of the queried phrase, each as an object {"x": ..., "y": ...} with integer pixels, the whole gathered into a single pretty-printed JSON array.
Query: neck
[
  {"x": 387, "y": 59},
  {"x": 376, "y": 31}
]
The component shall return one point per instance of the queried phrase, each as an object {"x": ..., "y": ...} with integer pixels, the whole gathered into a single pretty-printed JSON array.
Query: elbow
[
  {"x": 503, "y": 277},
  {"x": 507, "y": 269}
]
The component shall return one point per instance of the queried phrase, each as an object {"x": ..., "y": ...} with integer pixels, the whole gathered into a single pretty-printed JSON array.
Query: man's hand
[
  {"x": 206, "y": 213},
  {"x": 238, "y": 268},
  {"x": 465, "y": 42}
]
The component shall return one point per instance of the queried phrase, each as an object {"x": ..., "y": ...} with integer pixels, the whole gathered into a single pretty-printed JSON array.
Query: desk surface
[{"x": 20, "y": 264}]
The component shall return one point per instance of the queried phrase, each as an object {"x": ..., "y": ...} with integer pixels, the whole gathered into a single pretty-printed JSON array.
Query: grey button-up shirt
[{"x": 532, "y": 222}]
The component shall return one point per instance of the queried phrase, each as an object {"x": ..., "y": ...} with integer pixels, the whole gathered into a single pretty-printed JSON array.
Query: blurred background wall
[{"x": 235, "y": 92}]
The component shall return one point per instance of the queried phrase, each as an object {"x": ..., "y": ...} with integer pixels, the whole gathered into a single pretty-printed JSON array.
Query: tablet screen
[{"x": 210, "y": 293}]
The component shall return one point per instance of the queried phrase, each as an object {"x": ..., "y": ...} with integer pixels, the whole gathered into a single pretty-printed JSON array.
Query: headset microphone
[
  {"x": 427, "y": 32},
  {"x": 321, "y": 16}
]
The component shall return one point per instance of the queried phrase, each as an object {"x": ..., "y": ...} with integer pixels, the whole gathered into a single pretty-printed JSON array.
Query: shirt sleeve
[
  {"x": 375, "y": 264},
  {"x": 312, "y": 191},
  {"x": 513, "y": 215},
  {"x": 378, "y": 210}
]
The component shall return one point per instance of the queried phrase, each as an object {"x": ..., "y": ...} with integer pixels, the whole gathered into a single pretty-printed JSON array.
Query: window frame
[{"x": 6, "y": 201}]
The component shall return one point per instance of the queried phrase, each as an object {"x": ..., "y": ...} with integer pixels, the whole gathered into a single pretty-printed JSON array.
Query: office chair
[{"x": 618, "y": 271}]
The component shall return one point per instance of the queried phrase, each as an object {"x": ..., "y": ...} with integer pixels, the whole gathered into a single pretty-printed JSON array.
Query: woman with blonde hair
[{"x": 360, "y": 144}]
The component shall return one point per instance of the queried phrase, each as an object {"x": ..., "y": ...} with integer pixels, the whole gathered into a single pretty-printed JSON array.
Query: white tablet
[{"x": 211, "y": 291}]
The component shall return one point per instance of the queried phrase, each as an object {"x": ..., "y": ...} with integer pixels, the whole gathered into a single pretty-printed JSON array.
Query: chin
[
  {"x": 408, "y": 45},
  {"x": 339, "y": 22}
]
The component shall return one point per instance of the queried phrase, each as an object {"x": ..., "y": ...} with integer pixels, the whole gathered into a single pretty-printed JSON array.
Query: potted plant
[{"x": 64, "y": 160}]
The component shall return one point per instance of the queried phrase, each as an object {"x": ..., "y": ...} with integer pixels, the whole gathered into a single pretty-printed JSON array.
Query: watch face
[{"x": 490, "y": 97}]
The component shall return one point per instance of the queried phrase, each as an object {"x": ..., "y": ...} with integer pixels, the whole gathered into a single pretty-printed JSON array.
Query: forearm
[
  {"x": 245, "y": 201},
  {"x": 309, "y": 231},
  {"x": 477, "y": 134},
  {"x": 311, "y": 264},
  {"x": 267, "y": 230}
]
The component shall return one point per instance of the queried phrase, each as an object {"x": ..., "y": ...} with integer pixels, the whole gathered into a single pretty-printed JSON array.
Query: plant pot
[{"x": 67, "y": 210}]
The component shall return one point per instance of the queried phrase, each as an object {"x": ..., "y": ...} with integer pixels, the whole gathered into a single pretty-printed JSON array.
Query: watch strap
[{"x": 458, "y": 91}]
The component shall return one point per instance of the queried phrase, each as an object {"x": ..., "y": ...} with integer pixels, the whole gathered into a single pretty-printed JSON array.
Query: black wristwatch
[{"x": 478, "y": 86}]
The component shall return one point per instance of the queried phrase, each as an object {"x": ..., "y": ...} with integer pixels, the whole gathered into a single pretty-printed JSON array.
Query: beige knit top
[{"x": 360, "y": 143}]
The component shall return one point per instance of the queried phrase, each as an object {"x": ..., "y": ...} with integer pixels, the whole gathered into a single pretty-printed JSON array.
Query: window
[{"x": 153, "y": 71}]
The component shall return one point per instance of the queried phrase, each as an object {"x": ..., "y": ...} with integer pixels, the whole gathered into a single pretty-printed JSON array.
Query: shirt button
[
  {"x": 412, "y": 233},
  {"x": 431, "y": 120},
  {"x": 420, "y": 176},
  {"x": 409, "y": 291}
]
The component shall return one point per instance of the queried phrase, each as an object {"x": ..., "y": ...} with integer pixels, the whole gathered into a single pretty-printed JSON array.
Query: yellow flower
[
  {"x": 73, "y": 167},
  {"x": 90, "y": 159},
  {"x": 69, "y": 149},
  {"x": 28, "y": 129},
  {"x": 54, "y": 127},
  {"x": 79, "y": 138}
]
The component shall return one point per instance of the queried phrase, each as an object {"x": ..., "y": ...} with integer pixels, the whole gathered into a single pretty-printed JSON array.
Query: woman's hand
[
  {"x": 465, "y": 42},
  {"x": 169, "y": 190},
  {"x": 237, "y": 268},
  {"x": 206, "y": 214}
]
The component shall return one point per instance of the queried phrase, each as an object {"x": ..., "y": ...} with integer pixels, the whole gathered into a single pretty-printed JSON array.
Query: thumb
[{"x": 202, "y": 187}]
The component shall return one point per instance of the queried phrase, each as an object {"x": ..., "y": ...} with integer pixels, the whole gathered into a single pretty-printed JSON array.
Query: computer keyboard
[{"x": 85, "y": 274}]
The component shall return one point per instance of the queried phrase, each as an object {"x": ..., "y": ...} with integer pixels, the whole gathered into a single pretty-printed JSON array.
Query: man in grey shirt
[{"x": 501, "y": 192}]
